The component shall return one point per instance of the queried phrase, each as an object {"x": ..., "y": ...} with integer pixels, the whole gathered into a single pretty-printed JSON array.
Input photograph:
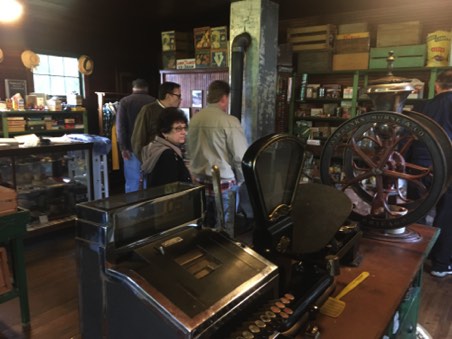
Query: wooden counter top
[{"x": 371, "y": 306}]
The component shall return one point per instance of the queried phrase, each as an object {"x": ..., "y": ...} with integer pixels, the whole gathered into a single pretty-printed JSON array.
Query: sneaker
[{"x": 441, "y": 274}]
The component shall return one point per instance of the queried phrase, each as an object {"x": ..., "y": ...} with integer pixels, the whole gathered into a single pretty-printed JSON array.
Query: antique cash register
[{"x": 148, "y": 269}]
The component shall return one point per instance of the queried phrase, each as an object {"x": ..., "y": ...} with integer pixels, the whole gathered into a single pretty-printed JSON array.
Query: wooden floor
[{"x": 52, "y": 282}]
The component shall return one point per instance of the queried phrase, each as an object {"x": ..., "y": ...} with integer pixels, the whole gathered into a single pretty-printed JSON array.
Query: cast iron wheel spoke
[{"x": 375, "y": 172}]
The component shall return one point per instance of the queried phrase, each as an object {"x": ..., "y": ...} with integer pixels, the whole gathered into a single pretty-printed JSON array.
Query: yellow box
[{"x": 350, "y": 61}]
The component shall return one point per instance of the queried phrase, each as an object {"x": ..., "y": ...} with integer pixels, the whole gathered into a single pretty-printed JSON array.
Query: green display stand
[{"x": 13, "y": 228}]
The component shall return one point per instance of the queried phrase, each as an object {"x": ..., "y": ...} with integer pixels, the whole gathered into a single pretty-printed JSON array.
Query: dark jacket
[
  {"x": 146, "y": 126},
  {"x": 163, "y": 163},
  {"x": 439, "y": 109},
  {"x": 128, "y": 109}
]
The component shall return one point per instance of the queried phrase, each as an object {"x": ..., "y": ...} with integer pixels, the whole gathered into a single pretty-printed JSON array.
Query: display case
[{"x": 49, "y": 181}]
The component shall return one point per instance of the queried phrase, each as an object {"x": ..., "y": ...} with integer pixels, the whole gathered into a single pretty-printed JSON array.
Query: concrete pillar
[{"x": 260, "y": 19}]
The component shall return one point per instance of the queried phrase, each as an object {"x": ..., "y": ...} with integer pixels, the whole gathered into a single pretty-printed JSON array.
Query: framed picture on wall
[
  {"x": 196, "y": 98},
  {"x": 187, "y": 113},
  {"x": 13, "y": 86}
]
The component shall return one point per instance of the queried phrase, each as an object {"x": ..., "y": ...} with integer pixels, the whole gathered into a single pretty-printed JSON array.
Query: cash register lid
[{"x": 272, "y": 168}]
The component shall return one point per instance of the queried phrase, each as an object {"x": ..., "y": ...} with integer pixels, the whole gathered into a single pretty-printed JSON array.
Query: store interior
[{"x": 124, "y": 42}]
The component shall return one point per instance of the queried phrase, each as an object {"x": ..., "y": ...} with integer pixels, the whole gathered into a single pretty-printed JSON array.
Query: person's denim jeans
[
  {"x": 132, "y": 174},
  {"x": 211, "y": 219}
]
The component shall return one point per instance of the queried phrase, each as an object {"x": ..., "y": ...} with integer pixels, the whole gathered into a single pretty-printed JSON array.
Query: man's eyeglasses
[
  {"x": 177, "y": 95},
  {"x": 180, "y": 128}
]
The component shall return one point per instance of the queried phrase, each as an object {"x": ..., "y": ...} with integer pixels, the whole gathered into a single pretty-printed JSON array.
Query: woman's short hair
[
  {"x": 217, "y": 89},
  {"x": 168, "y": 117}
]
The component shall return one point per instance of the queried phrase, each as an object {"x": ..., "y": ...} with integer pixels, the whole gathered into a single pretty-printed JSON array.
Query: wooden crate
[
  {"x": 350, "y": 61},
  {"x": 353, "y": 28},
  {"x": 399, "y": 34},
  {"x": 314, "y": 61},
  {"x": 352, "y": 43},
  {"x": 311, "y": 37},
  {"x": 5, "y": 274},
  {"x": 405, "y": 56},
  {"x": 8, "y": 200}
]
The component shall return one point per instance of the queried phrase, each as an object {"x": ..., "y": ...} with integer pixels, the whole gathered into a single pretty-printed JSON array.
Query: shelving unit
[
  {"x": 58, "y": 128},
  {"x": 357, "y": 80}
]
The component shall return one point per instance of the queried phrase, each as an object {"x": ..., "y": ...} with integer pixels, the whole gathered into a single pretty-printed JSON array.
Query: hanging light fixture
[{"x": 10, "y": 11}]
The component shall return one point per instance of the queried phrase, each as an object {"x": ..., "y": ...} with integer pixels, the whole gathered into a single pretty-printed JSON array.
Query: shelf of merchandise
[
  {"x": 79, "y": 116},
  {"x": 356, "y": 79}
]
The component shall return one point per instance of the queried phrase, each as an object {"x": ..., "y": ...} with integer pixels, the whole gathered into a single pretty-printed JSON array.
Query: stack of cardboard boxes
[
  {"x": 351, "y": 47},
  {"x": 211, "y": 46},
  {"x": 314, "y": 47}
]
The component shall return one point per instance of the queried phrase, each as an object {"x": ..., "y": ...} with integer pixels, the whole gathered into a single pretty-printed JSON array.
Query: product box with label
[
  {"x": 352, "y": 43},
  {"x": 350, "y": 61},
  {"x": 219, "y": 57},
  {"x": 185, "y": 63},
  {"x": 176, "y": 41},
  {"x": 219, "y": 37},
  {"x": 202, "y": 58},
  {"x": 201, "y": 37}
]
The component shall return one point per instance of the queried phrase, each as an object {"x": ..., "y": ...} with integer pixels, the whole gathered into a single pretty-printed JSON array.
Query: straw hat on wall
[
  {"x": 85, "y": 65},
  {"x": 30, "y": 59}
]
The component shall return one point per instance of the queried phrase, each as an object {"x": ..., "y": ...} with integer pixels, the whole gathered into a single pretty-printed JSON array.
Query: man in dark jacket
[
  {"x": 146, "y": 125},
  {"x": 440, "y": 109},
  {"x": 129, "y": 107}
]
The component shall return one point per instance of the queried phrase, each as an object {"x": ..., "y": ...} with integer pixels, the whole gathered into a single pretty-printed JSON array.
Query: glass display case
[{"x": 49, "y": 180}]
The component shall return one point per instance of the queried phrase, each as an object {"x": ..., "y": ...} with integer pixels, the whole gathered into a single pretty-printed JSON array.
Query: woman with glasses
[{"x": 163, "y": 162}]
